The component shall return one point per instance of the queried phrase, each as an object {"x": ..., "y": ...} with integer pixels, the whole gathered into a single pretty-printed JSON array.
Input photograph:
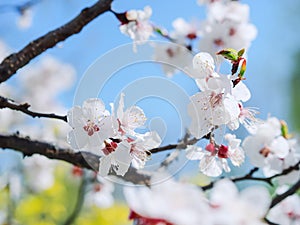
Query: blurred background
[{"x": 273, "y": 76}]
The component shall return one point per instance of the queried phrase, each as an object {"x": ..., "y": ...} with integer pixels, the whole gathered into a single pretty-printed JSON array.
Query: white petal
[
  {"x": 77, "y": 138},
  {"x": 232, "y": 107},
  {"x": 194, "y": 153},
  {"x": 134, "y": 117},
  {"x": 210, "y": 167},
  {"x": 122, "y": 158},
  {"x": 280, "y": 147},
  {"x": 104, "y": 165},
  {"x": 204, "y": 63},
  {"x": 223, "y": 192},
  {"x": 95, "y": 141},
  {"x": 75, "y": 117},
  {"x": 258, "y": 198},
  {"x": 252, "y": 145},
  {"x": 148, "y": 11},
  {"x": 149, "y": 140},
  {"x": 225, "y": 165},
  {"x": 107, "y": 127},
  {"x": 120, "y": 111},
  {"x": 237, "y": 156},
  {"x": 241, "y": 92},
  {"x": 93, "y": 108}
]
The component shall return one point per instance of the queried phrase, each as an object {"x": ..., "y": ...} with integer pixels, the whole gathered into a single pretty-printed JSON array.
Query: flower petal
[
  {"x": 194, "y": 153},
  {"x": 75, "y": 117},
  {"x": 104, "y": 165},
  {"x": 77, "y": 138}
]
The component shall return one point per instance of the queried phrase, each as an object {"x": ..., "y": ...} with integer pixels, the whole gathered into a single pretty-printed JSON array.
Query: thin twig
[
  {"x": 249, "y": 176},
  {"x": 180, "y": 145},
  {"x": 292, "y": 190},
  {"x": 15, "y": 61},
  {"x": 269, "y": 222},
  {"x": 7, "y": 103}
]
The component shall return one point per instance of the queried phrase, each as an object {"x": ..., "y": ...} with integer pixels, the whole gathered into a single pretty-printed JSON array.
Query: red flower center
[
  {"x": 140, "y": 220},
  {"x": 91, "y": 128},
  {"x": 223, "y": 152},
  {"x": 109, "y": 147}
]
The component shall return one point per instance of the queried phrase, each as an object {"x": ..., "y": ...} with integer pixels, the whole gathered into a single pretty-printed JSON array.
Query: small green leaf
[
  {"x": 284, "y": 130},
  {"x": 241, "y": 52},
  {"x": 229, "y": 54}
]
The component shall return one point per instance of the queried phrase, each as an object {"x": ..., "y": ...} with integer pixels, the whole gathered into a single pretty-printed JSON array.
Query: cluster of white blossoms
[
  {"x": 227, "y": 26},
  {"x": 174, "y": 203},
  {"x": 271, "y": 148},
  {"x": 219, "y": 103},
  {"x": 111, "y": 135}
]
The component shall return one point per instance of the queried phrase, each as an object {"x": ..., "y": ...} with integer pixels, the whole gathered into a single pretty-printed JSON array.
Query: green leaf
[
  {"x": 229, "y": 53},
  {"x": 241, "y": 52}
]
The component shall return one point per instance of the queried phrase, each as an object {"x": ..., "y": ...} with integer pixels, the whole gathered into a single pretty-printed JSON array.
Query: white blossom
[
  {"x": 230, "y": 207},
  {"x": 203, "y": 65},
  {"x": 268, "y": 149},
  {"x": 25, "y": 19},
  {"x": 184, "y": 30},
  {"x": 39, "y": 172},
  {"x": 91, "y": 125},
  {"x": 213, "y": 159},
  {"x": 209, "y": 109},
  {"x": 138, "y": 27},
  {"x": 173, "y": 57},
  {"x": 101, "y": 194},
  {"x": 286, "y": 212},
  {"x": 168, "y": 202},
  {"x": 129, "y": 119},
  {"x": 227, "y": 26}
]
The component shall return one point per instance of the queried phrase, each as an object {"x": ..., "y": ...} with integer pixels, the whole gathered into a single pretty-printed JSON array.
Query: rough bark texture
[{"x": 82, "y": 159}]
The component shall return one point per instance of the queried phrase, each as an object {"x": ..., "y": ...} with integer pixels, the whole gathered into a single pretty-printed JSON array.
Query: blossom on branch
[
  {"x": 91, "y": 124},
  {"x": 137, "y": 25},
  {"x": 213, "y": 159},
  {"x": 227, "y": 26},
  {"x": 112, "y": 136},
  {"x": 175, "y": 203},
  {"x": 286, "y": 212},
  {"x": 271, "y": 149}
]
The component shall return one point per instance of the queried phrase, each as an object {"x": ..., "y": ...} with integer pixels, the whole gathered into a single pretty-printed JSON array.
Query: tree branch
[
  {"x": 249, "y": 176},
  {"x": 82, "y": 159},
  {"x": 7, "y": 103},
  {"x": 181, "y": 145},
  {"x": 293, "y": 189},
  {"x": 15, "y": 61}
]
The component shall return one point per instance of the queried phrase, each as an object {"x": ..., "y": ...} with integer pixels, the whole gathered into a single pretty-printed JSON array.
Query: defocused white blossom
[
  {"x": 227, "y": 26},
  {"x": 39, "y": 172},
  {"x": 286, "y": 212}
]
